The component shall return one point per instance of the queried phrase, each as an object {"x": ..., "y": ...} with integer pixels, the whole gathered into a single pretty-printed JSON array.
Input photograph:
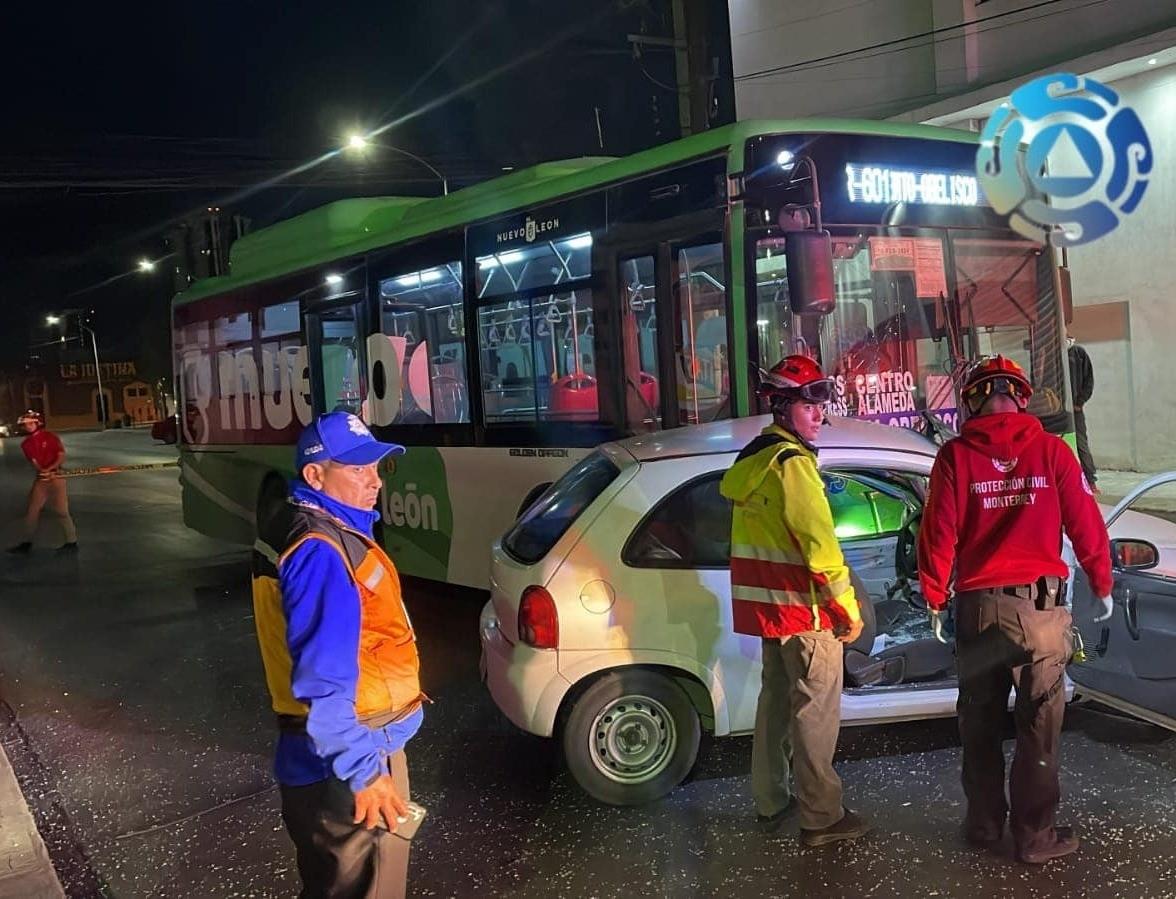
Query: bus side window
[
  {"x": 421, "y": 316},
  {"x": 702, "y": 352},
  {"x": 340, "y": 360}
]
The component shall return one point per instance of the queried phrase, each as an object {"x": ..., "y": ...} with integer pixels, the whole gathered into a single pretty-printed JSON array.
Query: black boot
[
  {"x": 68, "y": 547},
  {"x": 22, "y": 549}
]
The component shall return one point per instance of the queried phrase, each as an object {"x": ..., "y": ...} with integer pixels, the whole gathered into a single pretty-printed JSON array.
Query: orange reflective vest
[{"x": 388, "y": 685}]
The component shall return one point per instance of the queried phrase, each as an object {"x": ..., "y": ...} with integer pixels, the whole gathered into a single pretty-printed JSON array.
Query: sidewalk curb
[{"x": 25, "y": 869}]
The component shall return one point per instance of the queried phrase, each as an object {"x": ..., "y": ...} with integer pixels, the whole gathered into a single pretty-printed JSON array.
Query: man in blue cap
[{"x": 341, "y": 665}]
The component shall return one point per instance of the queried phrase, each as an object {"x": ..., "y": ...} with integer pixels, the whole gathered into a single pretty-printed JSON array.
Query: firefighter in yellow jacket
[{"x": 790, "y": 586}]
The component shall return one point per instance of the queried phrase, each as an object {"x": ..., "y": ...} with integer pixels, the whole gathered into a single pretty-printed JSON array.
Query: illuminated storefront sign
[{"x": 883, "y": 184}]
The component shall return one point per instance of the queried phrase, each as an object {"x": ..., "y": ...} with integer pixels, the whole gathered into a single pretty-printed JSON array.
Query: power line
[{"x": 775, "y": 70}]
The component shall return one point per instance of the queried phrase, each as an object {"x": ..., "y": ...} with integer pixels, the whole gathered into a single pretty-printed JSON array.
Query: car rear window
[{"x": 549, "y": 517}]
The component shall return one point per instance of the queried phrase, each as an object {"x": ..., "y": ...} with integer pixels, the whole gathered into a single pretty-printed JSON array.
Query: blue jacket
[{"x": 321, "y": 607}]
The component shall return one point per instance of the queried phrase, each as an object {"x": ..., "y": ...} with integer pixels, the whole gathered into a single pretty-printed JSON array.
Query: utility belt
[
  {"x": 1046, "y": 592},
  {"x": 296, "y": 724}
]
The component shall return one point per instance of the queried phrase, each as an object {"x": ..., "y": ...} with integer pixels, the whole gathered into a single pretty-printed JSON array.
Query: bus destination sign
[{"x": 884, "y": 184}]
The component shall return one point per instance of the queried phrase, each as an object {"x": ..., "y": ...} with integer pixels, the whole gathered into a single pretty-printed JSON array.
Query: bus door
[
  {"x": 336, "y": 335},
  {"x": 671, "y": 298}
]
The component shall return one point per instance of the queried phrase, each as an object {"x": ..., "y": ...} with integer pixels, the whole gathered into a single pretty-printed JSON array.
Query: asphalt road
[{"x": 133, "y": 708}]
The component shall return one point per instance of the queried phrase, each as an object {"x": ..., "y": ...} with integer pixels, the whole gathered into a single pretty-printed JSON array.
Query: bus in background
[{"x": 502, "y": 331}]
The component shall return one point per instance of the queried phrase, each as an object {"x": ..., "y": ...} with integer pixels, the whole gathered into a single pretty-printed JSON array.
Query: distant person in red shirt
[
  {"x": 1000, "y": 495},
  {"x": 45, "y": 452}
]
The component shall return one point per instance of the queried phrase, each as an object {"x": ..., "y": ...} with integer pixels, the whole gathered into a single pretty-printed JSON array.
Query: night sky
[{"x": 121, "y": 121}]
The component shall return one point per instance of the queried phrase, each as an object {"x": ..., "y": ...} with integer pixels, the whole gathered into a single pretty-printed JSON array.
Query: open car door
[{"x": 1131, "y": 657}]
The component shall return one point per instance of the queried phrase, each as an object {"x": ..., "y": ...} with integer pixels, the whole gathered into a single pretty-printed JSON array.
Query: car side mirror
[
  {"x": 1134, "y": 555},
  {"x": 809, "y": 256}
]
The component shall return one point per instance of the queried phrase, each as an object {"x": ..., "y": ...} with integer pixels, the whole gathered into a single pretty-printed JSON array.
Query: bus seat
[{"x": 573, "y": 398}]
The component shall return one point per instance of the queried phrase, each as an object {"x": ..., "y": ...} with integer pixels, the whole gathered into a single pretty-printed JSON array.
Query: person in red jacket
[
  {"x": 1000, "y": 495},
  {"x": 45, "y": 453}
]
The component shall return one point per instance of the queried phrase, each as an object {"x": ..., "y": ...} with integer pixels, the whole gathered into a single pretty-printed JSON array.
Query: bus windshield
[
  {"x": 913, "y": 305},
  {"x": 927, "y": 277}
]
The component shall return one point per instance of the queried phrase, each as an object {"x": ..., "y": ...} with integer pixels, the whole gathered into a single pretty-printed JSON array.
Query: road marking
[{"x": 115, "y": 469}]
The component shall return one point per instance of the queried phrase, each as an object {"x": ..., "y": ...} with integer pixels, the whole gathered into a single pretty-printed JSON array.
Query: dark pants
[
  {"x": 1004, "y": 641},
  {"x": 339, "y": 859},
  {"x": 1084, "y": 456}
]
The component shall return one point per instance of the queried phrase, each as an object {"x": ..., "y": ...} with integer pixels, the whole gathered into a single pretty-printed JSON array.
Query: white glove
[
  {"x": 937, "y": 624},
  {"x": 1108, "y": 605}
]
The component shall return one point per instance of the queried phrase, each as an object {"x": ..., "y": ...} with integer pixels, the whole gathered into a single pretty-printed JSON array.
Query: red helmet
[
  {"x": 996, "y": 374},
  {"x": 796, "y": 378},
  {"x": 32, "y": 420}
]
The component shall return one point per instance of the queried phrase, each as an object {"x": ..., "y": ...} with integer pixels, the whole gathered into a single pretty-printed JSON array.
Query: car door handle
[{"x": 1124, "y": 594}]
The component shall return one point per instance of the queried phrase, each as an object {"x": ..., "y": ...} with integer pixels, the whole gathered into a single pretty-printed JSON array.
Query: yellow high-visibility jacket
[{"x": 788, "y": 575}]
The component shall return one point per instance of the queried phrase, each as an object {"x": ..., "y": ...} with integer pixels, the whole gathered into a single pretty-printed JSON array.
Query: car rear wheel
[{"x": 631, "y": 737}]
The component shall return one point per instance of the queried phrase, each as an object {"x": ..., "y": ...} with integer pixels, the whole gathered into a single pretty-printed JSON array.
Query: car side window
[
  {"x": 690, "y": 528},
  {"x": 870, "y": 503}
]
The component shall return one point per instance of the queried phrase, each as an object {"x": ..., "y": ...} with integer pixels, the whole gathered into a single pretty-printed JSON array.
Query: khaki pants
[
  {"x": 796, "y": 726},
  {"x": 340, "y": 859},
  {"x": 1001, "y": 641},
  {"x": 49, "y": 491}
]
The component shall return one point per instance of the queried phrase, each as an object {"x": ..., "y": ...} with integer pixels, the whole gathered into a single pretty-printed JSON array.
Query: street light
[
  {"x": 359, "y": 143},
  {"x": 82, "y": 326},
  {"x": 146, "y": 265}
]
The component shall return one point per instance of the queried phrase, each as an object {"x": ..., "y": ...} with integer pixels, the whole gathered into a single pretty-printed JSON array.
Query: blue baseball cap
[{"x": 344, "y": 438}]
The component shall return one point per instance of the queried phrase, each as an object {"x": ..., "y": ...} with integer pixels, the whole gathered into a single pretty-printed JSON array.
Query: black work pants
[
  {"x": 1004, "y": 641},
  {"x": 339, "y": 859},
  {"x": 1085, "y": 458}
]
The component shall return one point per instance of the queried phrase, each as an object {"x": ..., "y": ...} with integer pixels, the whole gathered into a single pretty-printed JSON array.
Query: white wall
[
  {"x": 1006, "y": 38},
  {"x": 1137, "y": 263},
  {"x": 770, "y": 33},
  {"x": 1131, "y": 418}
]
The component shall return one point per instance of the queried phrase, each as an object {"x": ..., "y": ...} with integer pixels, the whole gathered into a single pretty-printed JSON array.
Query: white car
[
  {"x": 1131, "y": 658},
  {"x": 609, "y": 620}
]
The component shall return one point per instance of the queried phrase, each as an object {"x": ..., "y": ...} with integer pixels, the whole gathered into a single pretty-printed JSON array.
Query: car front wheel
[{"x": 631, "y": 737}]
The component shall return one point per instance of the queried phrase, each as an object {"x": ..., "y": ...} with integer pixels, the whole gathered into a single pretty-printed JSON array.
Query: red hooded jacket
[{"x": 1000, "y": 495}]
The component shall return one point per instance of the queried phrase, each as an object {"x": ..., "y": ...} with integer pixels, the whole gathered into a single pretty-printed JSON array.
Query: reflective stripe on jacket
[{"x": 788, "y": 575}]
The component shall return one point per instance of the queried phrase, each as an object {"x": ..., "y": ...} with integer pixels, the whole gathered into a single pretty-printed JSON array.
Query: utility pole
[{"x": 693, "y": 73}]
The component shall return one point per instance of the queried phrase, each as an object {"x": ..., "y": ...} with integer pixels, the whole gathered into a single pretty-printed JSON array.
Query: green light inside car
[{"x": 859, "y": 511}]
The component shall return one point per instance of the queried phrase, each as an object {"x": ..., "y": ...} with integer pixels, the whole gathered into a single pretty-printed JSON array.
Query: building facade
[
  {"x": 951, "y": 62},
  {"x": 66, "y": 392}
]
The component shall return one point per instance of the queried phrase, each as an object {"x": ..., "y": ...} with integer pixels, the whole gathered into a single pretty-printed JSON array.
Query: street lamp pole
[
  {"x": 103, "y": 412},
  {"x": 103, "y": 409},
  {"x": 358, "y": 142},
  {"x": 444, "y": 181}
]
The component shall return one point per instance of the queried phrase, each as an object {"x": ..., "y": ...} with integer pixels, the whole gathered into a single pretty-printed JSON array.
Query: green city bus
[{"x": 503, "y": 330}]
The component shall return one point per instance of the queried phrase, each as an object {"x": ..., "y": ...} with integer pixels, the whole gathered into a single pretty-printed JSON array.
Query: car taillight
[{"x": 538, "y": 621}]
